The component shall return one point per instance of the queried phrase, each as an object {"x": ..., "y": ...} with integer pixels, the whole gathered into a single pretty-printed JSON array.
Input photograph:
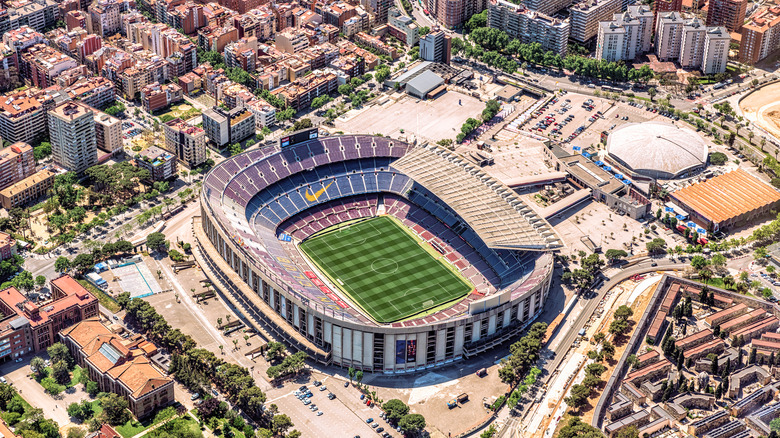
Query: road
[{"x": 569, "y": 330}]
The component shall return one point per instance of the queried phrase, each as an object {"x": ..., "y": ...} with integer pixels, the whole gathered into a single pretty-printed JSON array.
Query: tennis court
[{"x": 384, "y": 269}]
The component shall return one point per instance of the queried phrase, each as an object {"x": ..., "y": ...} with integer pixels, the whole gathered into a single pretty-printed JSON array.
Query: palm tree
[
  {"x": 219, "y": 322},
  {"x": 159, "y": 274},
  {"x": 750, "y": 136},
  {"x": 246, "y": 339},
  {"x": 235, "y": 344},
  {"x": 222, "y": 349},
  {"x": 228, "y": 318}
]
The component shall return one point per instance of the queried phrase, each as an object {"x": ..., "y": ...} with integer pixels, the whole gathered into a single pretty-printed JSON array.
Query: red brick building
[{"x": 27, "y": 327}]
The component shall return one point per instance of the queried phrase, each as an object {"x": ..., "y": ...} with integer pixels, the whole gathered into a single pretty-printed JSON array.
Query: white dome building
[{"x": 656, "y": 150}]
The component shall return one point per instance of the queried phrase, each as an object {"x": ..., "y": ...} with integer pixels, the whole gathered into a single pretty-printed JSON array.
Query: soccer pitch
[{"x": 384, "y": 269}]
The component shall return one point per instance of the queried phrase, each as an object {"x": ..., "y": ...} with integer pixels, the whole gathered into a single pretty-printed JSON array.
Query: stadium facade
[{"x": 258, "y": 206}]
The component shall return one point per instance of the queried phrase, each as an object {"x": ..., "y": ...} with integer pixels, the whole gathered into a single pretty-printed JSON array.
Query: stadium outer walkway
[{"x": 241, "y": 296}]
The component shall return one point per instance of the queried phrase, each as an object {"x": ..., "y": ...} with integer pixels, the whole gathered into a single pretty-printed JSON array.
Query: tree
[
  {"x": 718, "y": 158},
  {"x": 351, "y": 374},
  {"x": 40, "y": 280},
  {"x": 618, "y": 327},
  {"x": 412, "y": 423},
  {"x": 652, "y": 92},
  {"x": 58, "y": 352},
  {"x": 623, "y": 313},
  {"x": 38, "y": 366},
  {"x": 359, "y": 376},
  {"x": 395, "y": 409},
  {"x": 578, "y": 396},
  {"x": 613, "y": 255},
  {"x": 656, "y": 245},
  {"x": 281, "y": 423},
  {"x": 156, "y": 241},
  {"x": 59, "y": 371},
  {"x": 83, "y": 262},
  {"x": 595, "y": 369},
  {"x": 276, "y": 350},
  {"x": 114, "y": 409},
  {"x": 699, "y": 262},
  {"x": 575, "y": 428},
  {"x": 629, "y": 432},
  {"x": 608, "y": 349}
]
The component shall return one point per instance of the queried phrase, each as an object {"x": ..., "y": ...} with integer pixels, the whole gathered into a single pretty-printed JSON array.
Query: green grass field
[{"x": 384, "y": 269}]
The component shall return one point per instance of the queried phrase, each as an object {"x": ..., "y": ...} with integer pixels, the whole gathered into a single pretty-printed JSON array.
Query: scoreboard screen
[{"x": 298, "y": 137}]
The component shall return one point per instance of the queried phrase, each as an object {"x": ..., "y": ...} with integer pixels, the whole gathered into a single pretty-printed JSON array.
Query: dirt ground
[{"x": 763, "y": 107}]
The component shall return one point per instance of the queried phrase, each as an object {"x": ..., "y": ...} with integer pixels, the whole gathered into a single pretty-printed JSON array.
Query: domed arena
[
  {"x": 372, "y": 253},
  {"x": 656, "y": 150}
]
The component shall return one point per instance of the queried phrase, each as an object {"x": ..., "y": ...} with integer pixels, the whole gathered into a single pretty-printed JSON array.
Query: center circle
[{"x": 384, "y": 266}]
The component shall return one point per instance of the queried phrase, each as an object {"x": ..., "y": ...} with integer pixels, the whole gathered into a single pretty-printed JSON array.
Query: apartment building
[
  {"x": 377, "y": 44},
  {"x": 38, "y": 324},
  {"x": 41, "y": 64},
  {"x": 436, "y": 47},
  {"x": 225, "y": 128},
  {"x": 529, "y": 26},
  {"x": 38, "y": 14},
  {"x": 155, "y": 97},
  {"x": 692, "y": 45},
  {"x": 299, "y": 93},
  {"x": 265, "y": 113},
  {"x": 668, "y": 36},
  {"x": 27, "y": 190},
  {"x": 727, "y": 13},
  {"x": 161, "y": 164},
  {"x": 716, "y": 50},
  {"x": 97, "y": 92},
  {"x": 16, "y": 163},
  {"x": 188, "y": 17},
  {"x": 628, "y": 35},
  {"x": 119, "y": 365},
  {"x": 379, "y": 8},
  {"x": 402, "y": 27},
  {"x": 761, "y": 35},
  {"x": 72, "y": 134},
  {"x": 259, "y": 23},
  {"x": 661, "y": 7},
  {"x": 7, "y": 247},
  {"x": 585, "y": 16},
  {"x": 104, "y": 17},
  {"x": 76, "y": 19},
  {"x": 242, "y": 54},
  {"x": 291, "y": 40},
  {"x": 186, "y": 141},
  {"x": 22, "y": 117},
  {"x": 22, "y": 38},
  {"x": 547, "y": 7},
  {"x": 216, "y": 37},
  {"x": 108, "y": 134}
]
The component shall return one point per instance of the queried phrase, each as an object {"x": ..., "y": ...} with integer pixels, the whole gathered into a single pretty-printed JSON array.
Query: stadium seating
[{"x": 263, "y": 197}]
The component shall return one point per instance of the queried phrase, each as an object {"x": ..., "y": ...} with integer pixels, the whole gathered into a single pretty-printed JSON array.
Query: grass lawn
[
  {"x": 384, "y": 269},
  {"x": 105, "y": 300},
  {"x": 75, "y": 377},
  {"x": 718, "y": 282}
]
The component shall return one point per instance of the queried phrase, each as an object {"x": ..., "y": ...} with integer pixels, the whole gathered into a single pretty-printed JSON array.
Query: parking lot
[{"x": 345, "y": 411}]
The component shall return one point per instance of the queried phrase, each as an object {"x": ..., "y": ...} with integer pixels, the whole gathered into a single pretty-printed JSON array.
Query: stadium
[{"x": 372, "y": 253}]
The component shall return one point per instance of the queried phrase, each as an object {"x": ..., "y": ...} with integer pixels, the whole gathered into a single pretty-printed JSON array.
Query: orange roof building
[
  {"x": 728, "y": 200},
  {"x": 119, "y": 366}
]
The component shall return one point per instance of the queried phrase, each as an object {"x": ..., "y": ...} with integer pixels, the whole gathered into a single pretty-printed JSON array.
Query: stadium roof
[
  {"x": 493, "y": 210},
  {"x": 727, "y": 196},
  {"x": 657, "y": 149}
]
